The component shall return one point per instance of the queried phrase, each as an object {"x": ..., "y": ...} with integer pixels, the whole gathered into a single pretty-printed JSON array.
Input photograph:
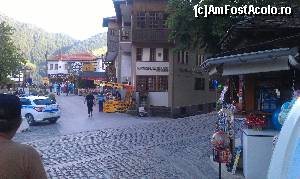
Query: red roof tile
[{"x": 73, "y": 57}]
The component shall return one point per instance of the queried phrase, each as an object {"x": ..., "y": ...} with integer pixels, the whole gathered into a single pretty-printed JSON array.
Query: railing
[{"x": 151, "y": 35}]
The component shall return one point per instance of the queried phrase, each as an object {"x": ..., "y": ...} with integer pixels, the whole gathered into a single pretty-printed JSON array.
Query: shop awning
[
  {"x": 254, "y": 62},
  {"x": 111, "y": 56},
  {"x": 93, "y": 75}
]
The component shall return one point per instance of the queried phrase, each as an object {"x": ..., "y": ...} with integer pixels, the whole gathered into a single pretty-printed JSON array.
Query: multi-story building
[
  {"x": 110, "y": 60},
  {"x": 146, "y": 59},
  {"x": 64, "y": 65}
]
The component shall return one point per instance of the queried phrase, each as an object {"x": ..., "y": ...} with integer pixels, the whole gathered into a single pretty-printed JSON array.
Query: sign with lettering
[
  {"x": 88, "y": 67},
  {"x": 152, "y": 68}
]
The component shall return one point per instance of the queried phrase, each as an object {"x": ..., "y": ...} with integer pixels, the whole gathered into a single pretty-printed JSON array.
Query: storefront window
[
  {"x": 162, "y": 83},
  {"x": 141, "y": 84},
  {"x": 152, "y": 83}
]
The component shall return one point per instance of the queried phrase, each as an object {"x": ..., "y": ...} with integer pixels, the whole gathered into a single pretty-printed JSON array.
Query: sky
[{"x": 79, "y": 19}]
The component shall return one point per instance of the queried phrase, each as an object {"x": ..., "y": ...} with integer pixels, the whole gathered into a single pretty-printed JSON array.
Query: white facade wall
[
  {"x": 147, "y": 68},
  {"x": 146, "y": 54},
  {"x": 100, "y": 67},
  {"x": 125, "y": 68},
  {"x": 61, "y": 67},
  {"x": 158, "y": 99}
]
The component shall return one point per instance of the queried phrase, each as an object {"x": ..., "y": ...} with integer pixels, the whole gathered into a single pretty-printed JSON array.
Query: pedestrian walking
[
  {"x": 16, "y": 160},
  {"x": 58, "y": 89},
  {"x": 90, "y": 101},
  {"x": 67, "y": 88},
  {"x": 50, "y": 87}
]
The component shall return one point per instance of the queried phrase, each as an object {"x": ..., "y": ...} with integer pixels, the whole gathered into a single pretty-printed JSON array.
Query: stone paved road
[
  {"x": 75, "y": 119},
  {"x": 132, "y": 148}
]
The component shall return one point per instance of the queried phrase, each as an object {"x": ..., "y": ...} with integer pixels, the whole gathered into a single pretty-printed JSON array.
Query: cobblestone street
[{"x": 151, "y": 148}]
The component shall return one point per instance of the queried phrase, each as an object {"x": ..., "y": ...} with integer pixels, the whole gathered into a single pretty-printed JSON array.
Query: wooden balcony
[{"x": 150, "y": 35}]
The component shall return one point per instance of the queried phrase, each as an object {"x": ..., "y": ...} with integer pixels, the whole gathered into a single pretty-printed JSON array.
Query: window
[
  {"x": 166, "y": 55},
  {"x": 139, "y": 54},
  {"x": 164, "y": 21},
  {"x": 162, "y": 83},
  {"x": 183, "y": 57},
  {"x": 25, "y": 101},
  {"x": 186, "y": 59},
  {"x": 200, "y": 59},
  {"x": 56, "y": 66},
  {"x": 51, "y": 66},
  {"x": 141, "y": 19},
  {"x": 154, "y": 20},
  {"x": 152, "y": 54},
  {"x": 141, "y": 83},
  {"x": 46, "y": 101},
  {"x": 178, "y": 57},
  {"x": 199, "y": 84},
  {"x": 66, "y": 66},
  {"x": 152, "y": 83}
]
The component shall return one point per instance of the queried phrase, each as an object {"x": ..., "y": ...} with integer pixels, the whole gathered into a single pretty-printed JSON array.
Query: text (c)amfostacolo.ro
[{"x": 207, "y": 10}]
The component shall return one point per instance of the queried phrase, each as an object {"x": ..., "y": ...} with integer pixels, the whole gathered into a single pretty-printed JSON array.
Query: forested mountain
[{"x": 37, "y": 44}]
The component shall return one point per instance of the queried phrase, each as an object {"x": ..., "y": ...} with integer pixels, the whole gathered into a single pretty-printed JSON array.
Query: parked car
[{"x": 39, "y": 108}]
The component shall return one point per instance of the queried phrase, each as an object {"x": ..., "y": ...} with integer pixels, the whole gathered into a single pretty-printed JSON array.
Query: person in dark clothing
[
  {"x": 16, "y": 160},
  {"x": 90, "y": 101},
  {"x": 67, "y": 88},
  {"x": 58, "y": 89}
]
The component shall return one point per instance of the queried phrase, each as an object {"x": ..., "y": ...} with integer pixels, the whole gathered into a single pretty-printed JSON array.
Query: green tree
[
  {"x": 192, "y": 33},
  {"x": 10, "y": 58}
]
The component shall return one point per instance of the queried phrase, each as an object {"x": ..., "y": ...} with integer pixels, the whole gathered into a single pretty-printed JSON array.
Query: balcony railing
[{"x": 151, "y": 35}]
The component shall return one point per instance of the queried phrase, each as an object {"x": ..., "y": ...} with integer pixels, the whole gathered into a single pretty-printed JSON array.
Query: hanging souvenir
[
  {"x": 221, "y": 155},
  {"x": 220, "y": 140},
  {"x": 256, "y": 121}
]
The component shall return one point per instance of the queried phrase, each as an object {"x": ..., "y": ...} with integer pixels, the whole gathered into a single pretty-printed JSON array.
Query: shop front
[
  {"x": 259, "y": 84},
  {"x": 153, "y": 78}
]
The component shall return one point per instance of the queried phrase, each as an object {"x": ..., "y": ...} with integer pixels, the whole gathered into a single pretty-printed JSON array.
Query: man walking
[
  {"x": 58, "y": 89},
  {"x": 16, "y": 160},
  {"x": 90, "y": 101}
]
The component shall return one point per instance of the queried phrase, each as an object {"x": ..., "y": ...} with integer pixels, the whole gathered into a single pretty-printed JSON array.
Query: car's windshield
[{"x": 46, "y": 101}]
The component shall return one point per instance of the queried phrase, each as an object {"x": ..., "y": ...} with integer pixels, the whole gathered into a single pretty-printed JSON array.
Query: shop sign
[
  {"x": 152, "y": 68},
  {"x": 59, "y": 75},
  {"x": 88, "y": 67}
]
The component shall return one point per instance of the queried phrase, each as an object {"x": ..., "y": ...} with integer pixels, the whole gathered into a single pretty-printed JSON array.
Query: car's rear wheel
[
  {"x": 53, "y": 120},
  {"x": 30, "y": 119}
]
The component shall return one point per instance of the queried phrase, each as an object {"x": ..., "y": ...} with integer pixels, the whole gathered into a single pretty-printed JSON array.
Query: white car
[{"x": 39, "y": 108}]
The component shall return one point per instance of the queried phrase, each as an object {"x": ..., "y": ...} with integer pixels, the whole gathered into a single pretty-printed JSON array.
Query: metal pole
[{"x": 220, "y": 171}]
